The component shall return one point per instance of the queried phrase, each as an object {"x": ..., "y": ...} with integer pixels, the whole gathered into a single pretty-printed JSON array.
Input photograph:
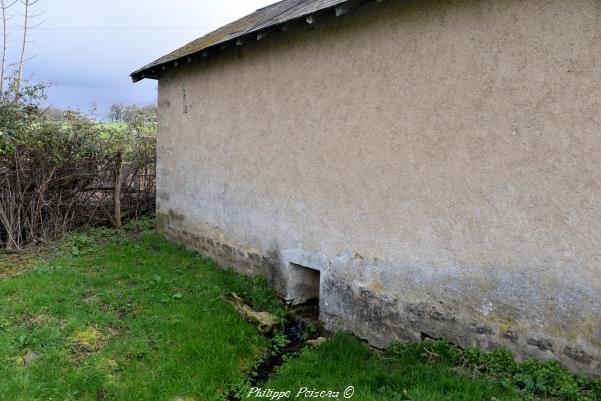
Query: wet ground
[{"x": 302, "y": 325}]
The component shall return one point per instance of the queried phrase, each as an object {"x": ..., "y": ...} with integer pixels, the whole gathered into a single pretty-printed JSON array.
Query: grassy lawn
[
  {"x": 124, "y": 320},
  {"x": 133, "y": 317},
  {"x": 344, "y": 361}
]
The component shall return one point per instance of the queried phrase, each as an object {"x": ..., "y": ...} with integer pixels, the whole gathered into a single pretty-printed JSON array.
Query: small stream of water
[{"x": 295, "y": 331}]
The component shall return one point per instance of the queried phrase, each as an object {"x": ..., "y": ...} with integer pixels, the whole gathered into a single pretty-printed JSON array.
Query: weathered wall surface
[{"x": 438, "y": 161}]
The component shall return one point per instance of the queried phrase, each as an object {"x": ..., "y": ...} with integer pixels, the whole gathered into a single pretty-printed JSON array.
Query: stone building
[{"x": 425, "y": 168}]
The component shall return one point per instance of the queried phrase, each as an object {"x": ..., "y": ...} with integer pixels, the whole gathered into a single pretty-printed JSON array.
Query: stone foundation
[{"x": 246, "y": 261}]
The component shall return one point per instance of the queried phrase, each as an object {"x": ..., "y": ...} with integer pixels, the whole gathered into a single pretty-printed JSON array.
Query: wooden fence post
[{"x": 117, "y": 183}]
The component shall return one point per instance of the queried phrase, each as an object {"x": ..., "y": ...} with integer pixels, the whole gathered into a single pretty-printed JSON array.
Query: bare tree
[
  {"x": 27, "y": 19},
  {"x": 116, "y": 112},
  {"x": 5, "y": 6},
  {"x": 132, "y": 111}
]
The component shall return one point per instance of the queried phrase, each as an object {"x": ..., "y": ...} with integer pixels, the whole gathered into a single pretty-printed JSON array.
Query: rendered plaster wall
[{"x": 438, "y": 161}]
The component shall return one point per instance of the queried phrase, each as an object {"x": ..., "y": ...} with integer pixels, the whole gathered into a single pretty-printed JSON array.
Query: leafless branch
[
  {"x": 5, "y": 7},
  {"x": 28, "y": 17}
]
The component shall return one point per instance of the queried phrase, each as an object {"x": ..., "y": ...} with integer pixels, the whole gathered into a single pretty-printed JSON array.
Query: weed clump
[{"x": 531, "y": 378}]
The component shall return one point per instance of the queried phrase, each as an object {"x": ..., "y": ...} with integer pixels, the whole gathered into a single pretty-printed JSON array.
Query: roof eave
[
  {"x": 137, "y": 77},
  {"x": 147, "y": 71},
  {"x": 152, "y": 70}
]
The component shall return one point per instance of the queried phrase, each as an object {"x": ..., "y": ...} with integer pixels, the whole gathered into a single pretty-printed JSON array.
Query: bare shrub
[{"x": 59, "y": 174}]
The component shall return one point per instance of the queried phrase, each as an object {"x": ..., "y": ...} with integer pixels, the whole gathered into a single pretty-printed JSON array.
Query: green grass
[
  {"x": 344, "y": 361},
  {"x": 125, "y": 320},
  {"x": 111, "y": 125}
]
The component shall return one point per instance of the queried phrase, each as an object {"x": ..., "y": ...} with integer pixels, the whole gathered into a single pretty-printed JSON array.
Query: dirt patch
[
  {"x": 14, "y": 265},
  {"x": 90, "y": 298},
  {"x": 114, "y": 331},
  {"x": 32, "y": 321},
  {"x": 101, "y": 394}
]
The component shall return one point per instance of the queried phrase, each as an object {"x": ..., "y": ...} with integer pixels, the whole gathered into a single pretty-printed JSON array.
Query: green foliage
[
  {"x": 80, "y": 243},
  {"x": 134, "y": 141},
  {"x": 25, "y": 129},
  {"x": 531, "y": 378},
  {"x": 279, "y": 342},
  {"x": 500, "y": 361},
  {"x": 140, "y": 225},
  {"x": 18, "y": 113}
]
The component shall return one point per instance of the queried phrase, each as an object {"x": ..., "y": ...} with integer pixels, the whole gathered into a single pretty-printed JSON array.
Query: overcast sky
[{"x": 88, "y": 48}]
